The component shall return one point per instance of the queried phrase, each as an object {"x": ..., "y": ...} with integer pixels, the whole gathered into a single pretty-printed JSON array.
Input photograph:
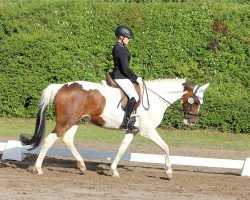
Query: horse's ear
[
  {"x": 203, "y": 88},
  {"x": 200, "y": 92}
]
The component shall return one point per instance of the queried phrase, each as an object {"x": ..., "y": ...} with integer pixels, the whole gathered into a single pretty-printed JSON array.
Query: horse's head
[{"x": 191, "y": 102}]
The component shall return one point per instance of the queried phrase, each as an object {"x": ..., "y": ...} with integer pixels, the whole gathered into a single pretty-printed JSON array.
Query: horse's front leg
[
  {"x": 125, "y": 143},
  {"x": 152, "y": 134}
]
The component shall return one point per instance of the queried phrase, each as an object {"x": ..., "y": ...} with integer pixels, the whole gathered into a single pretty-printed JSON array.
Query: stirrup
[
  {"x": 129, "y": 127},
  {"x": 132, "y": 128},
  {"x": 130, "y": 124},
  {"x": 134, "y": 115}
]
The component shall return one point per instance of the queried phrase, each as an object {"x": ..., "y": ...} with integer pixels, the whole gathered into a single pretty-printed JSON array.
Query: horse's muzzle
[{"x": 189, "y": 122}]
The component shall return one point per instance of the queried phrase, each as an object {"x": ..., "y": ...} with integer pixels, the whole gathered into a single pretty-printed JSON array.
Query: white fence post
[
  {"x": 12, "y": 151},
  {"x": 246, "y": 168}
]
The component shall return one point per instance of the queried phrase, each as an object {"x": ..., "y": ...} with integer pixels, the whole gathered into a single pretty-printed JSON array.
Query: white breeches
[{"x": 128, "y": 87}]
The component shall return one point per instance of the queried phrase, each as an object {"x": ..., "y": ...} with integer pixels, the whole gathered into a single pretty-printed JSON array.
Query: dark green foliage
[{"x": 44, "y": 42}]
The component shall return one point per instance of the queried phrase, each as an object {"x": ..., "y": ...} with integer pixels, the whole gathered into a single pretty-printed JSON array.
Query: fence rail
[{"x": 13, "y": 150}]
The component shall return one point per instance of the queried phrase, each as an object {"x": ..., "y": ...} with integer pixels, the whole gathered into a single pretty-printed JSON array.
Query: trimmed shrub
[{"x": 52, "y": 41}]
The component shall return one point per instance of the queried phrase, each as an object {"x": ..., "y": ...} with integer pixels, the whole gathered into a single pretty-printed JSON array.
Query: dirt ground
[{"x": 62, "y": 179}]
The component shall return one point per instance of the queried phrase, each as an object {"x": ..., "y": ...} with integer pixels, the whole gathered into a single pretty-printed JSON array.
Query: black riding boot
[{"x": 127, "y": 123}]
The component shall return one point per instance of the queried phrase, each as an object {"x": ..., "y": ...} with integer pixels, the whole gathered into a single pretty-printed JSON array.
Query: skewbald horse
[{"x": 99, "y": 104}]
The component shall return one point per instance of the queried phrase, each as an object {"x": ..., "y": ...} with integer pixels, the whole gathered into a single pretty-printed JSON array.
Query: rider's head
[{"x": 123, "y": 32}]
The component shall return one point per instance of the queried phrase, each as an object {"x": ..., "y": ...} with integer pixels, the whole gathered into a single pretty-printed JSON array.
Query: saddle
[{"x": 124, "y": 98}]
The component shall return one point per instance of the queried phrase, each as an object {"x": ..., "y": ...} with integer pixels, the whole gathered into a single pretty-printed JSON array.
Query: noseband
[{"x": 188, "y": 114}]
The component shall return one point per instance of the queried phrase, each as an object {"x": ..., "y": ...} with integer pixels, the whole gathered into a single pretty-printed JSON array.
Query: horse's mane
[
  {"x": 167, "y": 80},
  {"x": 171, "y": 85}
]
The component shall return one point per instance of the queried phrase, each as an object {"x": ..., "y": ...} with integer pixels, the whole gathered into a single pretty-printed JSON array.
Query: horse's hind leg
[
  {"x": 48, "y": 142},
  {"x": 125, "y": 143},
  {"x": 68, "y": 140}
]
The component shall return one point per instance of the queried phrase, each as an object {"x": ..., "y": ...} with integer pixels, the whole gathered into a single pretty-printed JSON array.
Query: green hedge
[{"x": 44, "y": 42}]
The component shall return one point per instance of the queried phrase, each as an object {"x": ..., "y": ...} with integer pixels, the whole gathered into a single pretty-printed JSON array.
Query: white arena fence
[{"x": 13, "y": 150}]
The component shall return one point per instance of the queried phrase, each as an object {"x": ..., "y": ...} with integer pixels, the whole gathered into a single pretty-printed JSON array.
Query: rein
[{"x": 145, "y": 88}]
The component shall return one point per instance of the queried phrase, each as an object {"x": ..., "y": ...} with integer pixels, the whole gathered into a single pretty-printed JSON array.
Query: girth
[{"x": 124, "y": 98}]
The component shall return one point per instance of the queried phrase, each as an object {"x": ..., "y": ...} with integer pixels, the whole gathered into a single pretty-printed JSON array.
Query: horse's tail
[{"x": 47, "y": 97}]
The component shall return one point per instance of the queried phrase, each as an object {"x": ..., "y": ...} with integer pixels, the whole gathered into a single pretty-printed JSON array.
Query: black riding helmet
[{"x": 124, "y": 31}]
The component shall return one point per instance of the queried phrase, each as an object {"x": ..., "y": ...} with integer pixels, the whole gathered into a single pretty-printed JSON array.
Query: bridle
[
  {"x": 191, "y": 101},
  {"x": 187, "y": 113}
]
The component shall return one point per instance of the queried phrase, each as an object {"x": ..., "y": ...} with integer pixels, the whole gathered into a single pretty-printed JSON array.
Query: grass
[{"x": 13, "y": 127}]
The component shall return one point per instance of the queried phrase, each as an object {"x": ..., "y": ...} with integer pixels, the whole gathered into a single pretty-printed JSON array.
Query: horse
[{"x": 99, "y": 104}]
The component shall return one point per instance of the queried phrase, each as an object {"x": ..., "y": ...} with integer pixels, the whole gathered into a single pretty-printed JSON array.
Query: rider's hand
[{"x": 139, "y": 80}]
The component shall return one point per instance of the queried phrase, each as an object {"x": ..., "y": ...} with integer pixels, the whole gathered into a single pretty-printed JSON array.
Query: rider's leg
[
  {"x": 129, "y": 109},
  {"x": 127, "y": 86}
]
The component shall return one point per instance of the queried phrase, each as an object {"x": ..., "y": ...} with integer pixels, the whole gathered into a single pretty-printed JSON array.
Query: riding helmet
[{"x": 124, "y": 31}]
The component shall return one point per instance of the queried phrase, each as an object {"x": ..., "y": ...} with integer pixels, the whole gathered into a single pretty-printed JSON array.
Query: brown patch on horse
[
  {"x": 124, "y": 98},
  {"x": 72, "y": 102}
]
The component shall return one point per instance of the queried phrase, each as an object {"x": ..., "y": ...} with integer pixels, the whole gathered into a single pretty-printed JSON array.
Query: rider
[{"x": 123, "y": 75}]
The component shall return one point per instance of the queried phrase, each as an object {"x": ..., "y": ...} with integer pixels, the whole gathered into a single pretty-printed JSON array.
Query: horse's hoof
[
  {"x": 81, "y": 167},
  {"x": 116, "y": 176},
  {"x": 38, "y": 170},
  {"x": 169, "y": 174}
]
